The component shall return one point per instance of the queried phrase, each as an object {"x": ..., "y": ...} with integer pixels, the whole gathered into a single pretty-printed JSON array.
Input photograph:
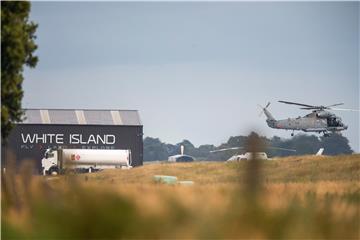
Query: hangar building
[{"x": 70, "y": 128}]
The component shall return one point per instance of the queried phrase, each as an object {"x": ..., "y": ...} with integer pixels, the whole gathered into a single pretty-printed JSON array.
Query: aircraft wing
[{"x": 226, "y": 149}]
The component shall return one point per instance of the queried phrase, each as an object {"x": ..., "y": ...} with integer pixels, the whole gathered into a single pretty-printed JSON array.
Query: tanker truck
[{"x": 57, "y": 161}]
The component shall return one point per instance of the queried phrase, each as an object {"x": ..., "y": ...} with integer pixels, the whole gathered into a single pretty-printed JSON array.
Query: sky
[{"x": 197, "y": 70}]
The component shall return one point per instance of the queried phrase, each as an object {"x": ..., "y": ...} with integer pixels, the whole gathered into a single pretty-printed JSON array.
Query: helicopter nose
[{"x": 345, "y": 127}]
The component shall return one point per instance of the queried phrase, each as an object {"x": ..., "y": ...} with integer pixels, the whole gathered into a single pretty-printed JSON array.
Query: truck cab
[{"x": 49, "y": 162}]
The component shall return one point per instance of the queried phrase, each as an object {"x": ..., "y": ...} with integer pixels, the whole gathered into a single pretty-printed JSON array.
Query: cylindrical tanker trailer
[{"x": 57, "y": 160}]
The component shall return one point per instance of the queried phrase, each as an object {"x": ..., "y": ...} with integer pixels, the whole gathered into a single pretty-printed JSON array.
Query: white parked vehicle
[{"x": 57, "y": 160}]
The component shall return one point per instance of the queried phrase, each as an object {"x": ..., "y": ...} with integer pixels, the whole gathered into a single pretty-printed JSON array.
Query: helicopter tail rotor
[
  {"x": 261, "y": 111},
  {"x": 267, "y": 113},
  {"x": 263, "y": 108}
]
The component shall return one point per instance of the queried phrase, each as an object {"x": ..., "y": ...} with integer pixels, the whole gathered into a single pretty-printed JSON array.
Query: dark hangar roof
[{"x": 82, "y": 117}]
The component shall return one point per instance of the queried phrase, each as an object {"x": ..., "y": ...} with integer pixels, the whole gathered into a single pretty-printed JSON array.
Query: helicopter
[{"x": 319, "y": 120}]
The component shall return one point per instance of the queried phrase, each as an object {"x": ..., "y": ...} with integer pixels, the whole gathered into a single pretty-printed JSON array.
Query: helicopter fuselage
[{"x": 317, "y": 121}]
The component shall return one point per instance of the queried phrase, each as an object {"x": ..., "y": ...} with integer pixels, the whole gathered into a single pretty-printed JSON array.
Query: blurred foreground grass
[{"x": 297, "y": 197}]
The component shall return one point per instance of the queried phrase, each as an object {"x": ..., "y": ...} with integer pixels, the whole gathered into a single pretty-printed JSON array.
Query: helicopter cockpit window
[
  {"x": 333, "y": 122},
  {"x": 338, "y": 122}
]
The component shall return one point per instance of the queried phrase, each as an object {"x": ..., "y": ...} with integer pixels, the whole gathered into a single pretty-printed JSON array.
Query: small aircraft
[
  {"x": 319, "y": 120},
  {"x": 259, "y": 155},
  {"x": 249, "y": 155}
]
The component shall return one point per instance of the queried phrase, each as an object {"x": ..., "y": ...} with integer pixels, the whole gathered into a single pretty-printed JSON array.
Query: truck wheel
[{"x": 54, "y": 171}]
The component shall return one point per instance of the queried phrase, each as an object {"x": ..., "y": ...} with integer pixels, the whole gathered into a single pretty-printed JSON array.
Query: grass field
[{"x": 297, "y": 197}]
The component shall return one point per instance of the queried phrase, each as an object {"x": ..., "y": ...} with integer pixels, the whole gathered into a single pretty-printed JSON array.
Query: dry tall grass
[{"x": 299, "y": 197}]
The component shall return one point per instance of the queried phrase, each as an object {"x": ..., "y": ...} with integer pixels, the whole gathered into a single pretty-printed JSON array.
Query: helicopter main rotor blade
[
  {"x": 284, "y": 149},
  {"x": 333, "y": 105},
  {"x": 310, "y": 108},
  {"x": 299, "y": 104},
  {"x": 226, "y": 149},
  {"x": 345, "y": 109},
  {"x": 234, "y": 148}
]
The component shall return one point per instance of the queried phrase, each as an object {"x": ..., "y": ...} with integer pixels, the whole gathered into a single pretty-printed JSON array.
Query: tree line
[
  {"x": 155, "y": 149},
  {"x": 17, "y": 50}
]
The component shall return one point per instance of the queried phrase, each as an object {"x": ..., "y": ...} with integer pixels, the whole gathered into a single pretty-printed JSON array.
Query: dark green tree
[
  {"x": 17, "y": 49},
  {"x": 335, "y": 144},
  {"x": 172, "y": 149},
  {"x": 204, "y": 151},
  {"x": 304, "y": 144},
  {"x": 154, "y": 149}
]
